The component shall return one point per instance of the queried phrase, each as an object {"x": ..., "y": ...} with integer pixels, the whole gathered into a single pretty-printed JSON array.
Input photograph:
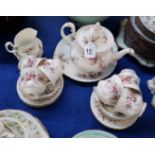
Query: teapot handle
[{"x": 72, "y": 27}]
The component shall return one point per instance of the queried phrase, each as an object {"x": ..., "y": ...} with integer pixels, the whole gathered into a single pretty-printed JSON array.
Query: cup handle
[
  {"x": 9, "y": 45},
  {"x": 73, "y": 30}
]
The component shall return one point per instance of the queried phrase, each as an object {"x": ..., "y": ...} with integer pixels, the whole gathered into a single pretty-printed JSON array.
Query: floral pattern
[
  {"x": 91, "y": 75},
  {"x": 131, "y": 99},
  {"x": 129, "y": 79},
  {"x": 63, "y": 58},
  {"x": 30, "y": 62}
]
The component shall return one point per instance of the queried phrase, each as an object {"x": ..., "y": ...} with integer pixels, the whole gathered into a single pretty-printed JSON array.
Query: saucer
[
  {"x": 121, "y": 43},
  {"x": 94, "y": 134},
  {"x": 33, "y": 126},
  {"x": 13, "y": 127},
  {"x": 42, "y": 102},
  {"x": 96, "y": 108},
  {"x": 62, "y": 53}
]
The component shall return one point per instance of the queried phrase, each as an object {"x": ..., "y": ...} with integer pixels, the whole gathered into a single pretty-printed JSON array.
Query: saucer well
[{"x": 62, "y": 53}]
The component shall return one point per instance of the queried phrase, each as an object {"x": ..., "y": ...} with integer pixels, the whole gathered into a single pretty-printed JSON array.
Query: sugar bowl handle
[{"x": 73, "y": 31}]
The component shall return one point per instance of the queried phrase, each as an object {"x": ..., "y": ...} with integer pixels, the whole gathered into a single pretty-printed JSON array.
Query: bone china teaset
[{"x": 88, "y": 55}]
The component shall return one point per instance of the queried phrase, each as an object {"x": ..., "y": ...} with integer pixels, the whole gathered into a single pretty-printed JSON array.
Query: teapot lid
[{"x": 100, "y": 36}]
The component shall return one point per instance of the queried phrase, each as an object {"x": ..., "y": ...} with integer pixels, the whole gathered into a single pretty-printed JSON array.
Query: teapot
[
  {"x": 25, "y": 43},
  {"x": 92, "y": 47}
]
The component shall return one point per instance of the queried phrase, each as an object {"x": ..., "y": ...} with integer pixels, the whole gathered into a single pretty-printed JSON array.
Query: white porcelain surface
[
  {"x": 90, "y": 52},
  {"x": 112, "y": 90},
  {"x": 44, "y": 100},
  {"x": 101, "y": 116},
  {"x": 11, "y": 128},
  {"x": 22, "y": 125},
  {"x": 151, "y": 86},
  {"x": 118, "y": 100},
  {"x": 25, "y": 43},
  {"x": 40, "y": 82},
  {"x": 63, "y": 52}
]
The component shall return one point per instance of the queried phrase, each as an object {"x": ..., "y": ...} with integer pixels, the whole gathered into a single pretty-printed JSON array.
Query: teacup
[
  {"x": 29, "y": 61},
  {"x": 130, "y": 79},
  {"x": 110, "y": 90},
  {"x": 119, "y": 101},
  {"x": 39, "y": 77},
  {"x": 25, "y": 43},
  {"x": 33, "y": 82},
  {"x": 52, "y": 69},
  {"x": 130, "y": 104}
]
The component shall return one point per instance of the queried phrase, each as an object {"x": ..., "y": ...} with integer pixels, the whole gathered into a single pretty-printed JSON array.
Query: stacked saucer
[
  {"x": 117, "y": 101},
  {"x": 151, "y": 86},
  {"x": 40, "y": 82},
  {"x": 138, "y": 32}
]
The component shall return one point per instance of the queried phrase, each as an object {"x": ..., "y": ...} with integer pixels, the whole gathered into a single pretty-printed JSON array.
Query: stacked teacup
[
  {"x": 117, "y": 101},
  {"x": 40, "y": 82}
]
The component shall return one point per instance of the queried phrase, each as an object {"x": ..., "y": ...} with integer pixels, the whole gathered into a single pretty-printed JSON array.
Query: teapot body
[{"x": 92, "y": 48}]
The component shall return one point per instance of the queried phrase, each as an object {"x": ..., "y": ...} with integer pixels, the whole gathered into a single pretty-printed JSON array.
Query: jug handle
[
  {"x": 64, "y": 36},
  {"x": 9, "y": 45}
]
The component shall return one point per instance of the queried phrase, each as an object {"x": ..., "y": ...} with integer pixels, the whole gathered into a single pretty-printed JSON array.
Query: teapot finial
[
  {"x": 97, "y": 25},
  {"x": 123, "y": 52}
]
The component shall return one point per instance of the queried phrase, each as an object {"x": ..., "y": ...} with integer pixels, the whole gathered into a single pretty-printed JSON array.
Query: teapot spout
[{"x": 123, "y": 52}]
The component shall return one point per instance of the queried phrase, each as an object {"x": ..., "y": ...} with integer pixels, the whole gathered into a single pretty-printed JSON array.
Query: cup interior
[{"x": 26, "y": 43}]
